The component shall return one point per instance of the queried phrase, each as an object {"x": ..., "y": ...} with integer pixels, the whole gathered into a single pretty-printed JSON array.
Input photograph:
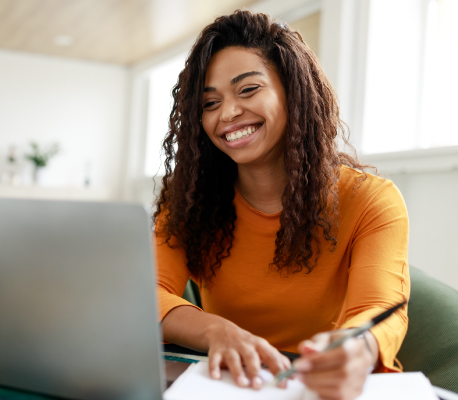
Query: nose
[{"x": 230, "y": 109}]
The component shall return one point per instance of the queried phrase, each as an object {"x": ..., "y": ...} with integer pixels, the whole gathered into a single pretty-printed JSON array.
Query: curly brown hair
[{"x": 196, "y": 201}]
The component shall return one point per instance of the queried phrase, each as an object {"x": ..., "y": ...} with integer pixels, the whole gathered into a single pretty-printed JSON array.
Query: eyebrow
[
  {"x": 245, "y": 75},
  {"x": 235, "y": 80}
]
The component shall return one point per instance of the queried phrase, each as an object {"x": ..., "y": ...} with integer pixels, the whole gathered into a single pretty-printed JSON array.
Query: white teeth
[{"x": 230, "y": 137}]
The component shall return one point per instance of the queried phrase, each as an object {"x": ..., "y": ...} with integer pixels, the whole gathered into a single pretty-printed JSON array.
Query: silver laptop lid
[{"x": 78, "y": 309}]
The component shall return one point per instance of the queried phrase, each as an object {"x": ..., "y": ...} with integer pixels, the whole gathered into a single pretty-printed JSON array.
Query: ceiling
[{"x": 113, "y": 31}]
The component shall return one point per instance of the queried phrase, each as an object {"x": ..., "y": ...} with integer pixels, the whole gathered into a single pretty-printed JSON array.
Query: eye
[
  {"x": 209, "y": 104},
  {"x": 249, "y": 89}
]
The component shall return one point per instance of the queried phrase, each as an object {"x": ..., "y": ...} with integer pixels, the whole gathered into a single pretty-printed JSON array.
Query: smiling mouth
[{"x": 242, "y": 133}]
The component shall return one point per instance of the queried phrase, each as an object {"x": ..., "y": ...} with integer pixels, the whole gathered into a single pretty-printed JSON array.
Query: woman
[{"x": 284, "y": 234}]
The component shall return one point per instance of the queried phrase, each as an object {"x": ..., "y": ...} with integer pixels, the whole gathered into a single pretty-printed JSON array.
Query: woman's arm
[
  {"x": 377, "y": 280},
  {"x": 226, "y": 343},
  {"x": 185, "y": 324}
]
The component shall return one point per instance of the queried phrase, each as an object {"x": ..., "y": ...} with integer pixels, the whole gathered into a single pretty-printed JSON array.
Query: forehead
[{"x": 231, "y": 62}]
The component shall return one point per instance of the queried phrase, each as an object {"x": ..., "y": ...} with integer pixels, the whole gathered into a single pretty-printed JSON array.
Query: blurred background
[{"x": 85, "y": 97}]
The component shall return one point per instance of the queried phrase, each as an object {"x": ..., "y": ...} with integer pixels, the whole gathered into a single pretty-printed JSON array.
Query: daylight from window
[
  {"x": 438, "y": 123},
  {"x": 162, "y": 79},
  {"x": 411, "y": 79}
]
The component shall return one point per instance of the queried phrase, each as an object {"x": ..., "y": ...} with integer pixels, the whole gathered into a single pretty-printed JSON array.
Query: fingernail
[
  {"x": 216, "y": 374},
  {"x": 307, "y": 345},
  {"x": 257, "y": 382},
  {"x": 302, "y": 365},
  {"x": 243, "y": 381}
]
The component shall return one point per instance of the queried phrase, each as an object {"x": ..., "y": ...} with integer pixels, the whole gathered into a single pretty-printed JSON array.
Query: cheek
[
  {"x": 209, "y": 128},
  {"x": 274, "y": 107},
  {"x": 278, "y": 117}
]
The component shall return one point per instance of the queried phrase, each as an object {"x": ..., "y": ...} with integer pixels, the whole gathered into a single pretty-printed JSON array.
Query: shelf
[{"x": 56, "y": 193}]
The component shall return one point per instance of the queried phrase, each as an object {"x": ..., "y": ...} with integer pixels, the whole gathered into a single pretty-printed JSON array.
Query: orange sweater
[{"x": 365, "y": 275}]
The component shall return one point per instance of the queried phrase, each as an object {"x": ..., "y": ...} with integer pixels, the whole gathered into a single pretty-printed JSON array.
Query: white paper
[
  {"x": 195, "y": 384},
  {"x": 394, "y": 386}
]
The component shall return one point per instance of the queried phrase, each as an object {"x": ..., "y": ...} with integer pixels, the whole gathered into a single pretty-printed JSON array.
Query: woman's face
[{"x": 244, "y": 107}]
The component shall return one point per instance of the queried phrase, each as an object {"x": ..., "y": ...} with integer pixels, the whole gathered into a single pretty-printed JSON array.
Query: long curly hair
[{"x": 195, "y": 205}]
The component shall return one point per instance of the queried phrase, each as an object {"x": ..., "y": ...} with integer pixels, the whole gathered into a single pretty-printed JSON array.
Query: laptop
[{"x": 78, "y": 307}]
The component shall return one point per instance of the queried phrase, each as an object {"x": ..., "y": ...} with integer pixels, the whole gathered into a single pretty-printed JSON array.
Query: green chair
[
  {"x": 431, "y": 343},
  {"x": 191, "y": 293}
]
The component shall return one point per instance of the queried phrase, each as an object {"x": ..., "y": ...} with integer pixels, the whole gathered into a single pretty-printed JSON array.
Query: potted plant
[{"x": 40, "y": 157}]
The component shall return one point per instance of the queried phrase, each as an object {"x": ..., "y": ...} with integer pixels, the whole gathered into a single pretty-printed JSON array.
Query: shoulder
[
  {"x": 360, "y": 192},
  {"x": 355, "y": 184}
]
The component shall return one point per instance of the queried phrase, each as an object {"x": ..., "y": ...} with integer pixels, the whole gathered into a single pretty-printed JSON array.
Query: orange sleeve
[
  {"x": 172, "y": 275},
  {"x": 378, "y": 273}
]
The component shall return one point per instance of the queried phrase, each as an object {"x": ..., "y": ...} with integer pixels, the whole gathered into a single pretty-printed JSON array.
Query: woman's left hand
[{"x": 340, "y": 373}]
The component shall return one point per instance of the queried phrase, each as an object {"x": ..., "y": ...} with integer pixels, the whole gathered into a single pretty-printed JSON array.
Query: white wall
[
  {"x": 432, "y": 204},
  {"x": 81, "y": 105}
]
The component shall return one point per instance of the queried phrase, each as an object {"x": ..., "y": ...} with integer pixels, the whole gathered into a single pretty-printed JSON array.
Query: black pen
[{"x": 336, "y": 343}]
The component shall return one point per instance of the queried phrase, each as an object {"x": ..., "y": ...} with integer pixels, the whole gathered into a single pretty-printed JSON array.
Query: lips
[
  {"x": 244, "y": 139},
  {"x": 238, "y": 131},
  {"x": 230, "y": 137}
]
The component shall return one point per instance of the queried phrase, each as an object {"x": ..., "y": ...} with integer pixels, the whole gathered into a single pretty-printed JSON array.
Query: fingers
[
  {"x": 251, "y": 359},
  {"x": 234, "y": 364},
  {"x": 231, "y": 359},
  {"x": 286, "y": 362},
  {"x": 252, "y": 364},
  {"x": 335, "y": 374},
  {"x": 242, "y": 353},
  {"x": 234, "y": 361},
  {"x": 215, "y": 365},
  {"x": 322, "y": 361},
  {"x": 320, "y": 341},
  {"x": 274, "y": 360}
]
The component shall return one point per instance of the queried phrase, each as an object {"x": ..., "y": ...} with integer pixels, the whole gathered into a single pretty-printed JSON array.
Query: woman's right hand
[
  {"x": 227, "y": 345},
  {"x": 233, "y": 347}
]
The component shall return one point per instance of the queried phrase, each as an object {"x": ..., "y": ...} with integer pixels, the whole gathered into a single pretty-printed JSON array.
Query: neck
[{"x": 262, "y": 186}]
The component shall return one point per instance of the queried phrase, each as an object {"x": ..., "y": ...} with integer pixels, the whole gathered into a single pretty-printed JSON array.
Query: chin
[{"x": 243, "y": 160}]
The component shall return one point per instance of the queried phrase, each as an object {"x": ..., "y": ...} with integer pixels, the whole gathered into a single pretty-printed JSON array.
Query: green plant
[{"x": 41, "y": 157}]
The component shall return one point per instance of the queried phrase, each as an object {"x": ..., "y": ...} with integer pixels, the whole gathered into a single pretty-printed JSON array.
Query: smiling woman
[{"x": 286, "y": 236}]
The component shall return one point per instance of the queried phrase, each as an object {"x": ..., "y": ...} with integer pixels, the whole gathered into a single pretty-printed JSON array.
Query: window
[
  {"x": 411, "y": 75},
  {"x": 162, "y": 79},
  {"x": 440, "y": 83}
]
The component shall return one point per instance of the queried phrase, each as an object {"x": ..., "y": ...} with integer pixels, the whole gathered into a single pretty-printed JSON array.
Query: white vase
[{"x": 37, "y": 175}]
